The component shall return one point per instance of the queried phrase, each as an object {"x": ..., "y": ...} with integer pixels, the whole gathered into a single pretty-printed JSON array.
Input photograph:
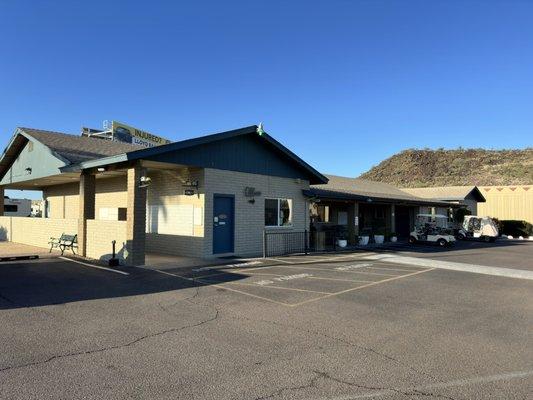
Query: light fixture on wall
[
  {"x": 191, "y": 187},
  {"x": 145, "y": 181},
  {"x": 251, "y": 193}
]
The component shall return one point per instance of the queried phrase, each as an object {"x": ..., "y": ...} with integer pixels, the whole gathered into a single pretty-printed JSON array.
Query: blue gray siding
[
  {"x": 36, "y": 156},
  {"x": 246, "y": 153}
]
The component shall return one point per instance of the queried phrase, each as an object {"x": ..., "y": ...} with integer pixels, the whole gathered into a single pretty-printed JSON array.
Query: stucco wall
[
  {"x": 35, "y": 231},
  {"x": 250, "y": 218}
]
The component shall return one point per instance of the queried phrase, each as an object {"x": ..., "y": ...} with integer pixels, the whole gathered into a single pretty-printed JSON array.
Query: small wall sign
[{"x": 251, "y": 192}]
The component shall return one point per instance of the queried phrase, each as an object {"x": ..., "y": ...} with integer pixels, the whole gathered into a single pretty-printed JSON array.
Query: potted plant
[
  {"x": 393, "y": 237},
  {"x": 379, "y": 237},
  {"x": 364, "y": 238},
  {"x": 342, "y": 242}
]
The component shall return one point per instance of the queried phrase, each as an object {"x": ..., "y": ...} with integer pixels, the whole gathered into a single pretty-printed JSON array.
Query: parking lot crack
[
  {"x": 310, "y": 384},
  {"x": 187, "y": 299},
  {"x": 115, "y": 347},
  {"x": 348, "y": 343},
  {"x": 326, "y": 376},
  {"x": 410, "y": 392}
]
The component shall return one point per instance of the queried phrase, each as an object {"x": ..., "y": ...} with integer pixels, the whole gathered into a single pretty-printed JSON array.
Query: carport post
[
  {"x": 1, "y": 201},
  {"x": 136, "y": 217},
  {"x": 353, "y": 229},
  {"x": 87, "y": 200},
  {"x": 393, "y": 218}
]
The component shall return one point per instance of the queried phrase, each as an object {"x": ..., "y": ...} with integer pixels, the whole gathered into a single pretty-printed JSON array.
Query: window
[
  {"x": 342, "y": 218},
  {"x": 11, "y": 208},
  {"x": 319, "y": 213},
  {"x": 278, "y": 212}
]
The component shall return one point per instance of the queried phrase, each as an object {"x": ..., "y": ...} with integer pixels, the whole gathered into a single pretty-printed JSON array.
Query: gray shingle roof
[
  {"x": 76, "y": 149},
  {"x": 343, "y": 187},
  {"x": 457, "y": 193}
]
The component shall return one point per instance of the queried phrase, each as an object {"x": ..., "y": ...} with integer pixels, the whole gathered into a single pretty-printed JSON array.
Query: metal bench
[{"x": 64, "y": 242}]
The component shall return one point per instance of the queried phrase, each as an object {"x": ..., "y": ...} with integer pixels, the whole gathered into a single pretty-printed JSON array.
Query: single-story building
[
  {"x": 213, "y": 196},
  {"x": 470, "y": 196},
  {"x": 209, "y": 196},
  {"x": 368, "y": 207}
]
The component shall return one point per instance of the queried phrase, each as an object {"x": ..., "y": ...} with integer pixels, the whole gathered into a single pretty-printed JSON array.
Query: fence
[{"x": 297, "y": 242}]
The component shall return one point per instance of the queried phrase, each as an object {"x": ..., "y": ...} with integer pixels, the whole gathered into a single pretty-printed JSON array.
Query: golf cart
[
  {"x": 474, "y": 227},
  {"x": 430, "y": 228}
]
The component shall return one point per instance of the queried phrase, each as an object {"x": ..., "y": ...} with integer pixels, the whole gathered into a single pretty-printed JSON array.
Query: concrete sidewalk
[{"x": 10, "y": 249}]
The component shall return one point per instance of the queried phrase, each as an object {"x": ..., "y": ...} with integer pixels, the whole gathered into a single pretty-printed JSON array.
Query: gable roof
[
  {"x": 447, "y": 193},
  {"x": 81, "y": 152},
  {"x": 339, "y": 187},
  {"x": 77, "y": 148},
  {"x": 313, "y": 175}
]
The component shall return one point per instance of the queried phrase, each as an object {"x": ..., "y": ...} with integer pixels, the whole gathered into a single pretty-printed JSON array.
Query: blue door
[{"x": 223, "y": 223}]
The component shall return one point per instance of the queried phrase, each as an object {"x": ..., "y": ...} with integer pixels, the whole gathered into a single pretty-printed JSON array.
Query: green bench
[{"x": 64, "y": 242}]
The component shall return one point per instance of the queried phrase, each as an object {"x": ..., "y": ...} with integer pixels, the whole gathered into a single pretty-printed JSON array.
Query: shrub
[
  {"x": 460, "y": 213},
  {"x": 514, "y": 228}
]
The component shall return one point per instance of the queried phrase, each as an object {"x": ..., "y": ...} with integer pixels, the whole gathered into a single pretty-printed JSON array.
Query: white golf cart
[
  {"x": 474, "y": 227},
  {"x": 430, "y": 228}
]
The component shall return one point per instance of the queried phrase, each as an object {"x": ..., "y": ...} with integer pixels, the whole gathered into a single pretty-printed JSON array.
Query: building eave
[
  {"x": 315, "y": 176},
  {"x": 371, "y": 198}
]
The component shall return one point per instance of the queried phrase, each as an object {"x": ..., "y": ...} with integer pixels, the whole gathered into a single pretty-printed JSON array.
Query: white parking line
[
  {"x": 443, "y": 385},
  {"x": 362, "y": 287},
  {"x": 316, "y": 259},
  {"x": 275, "y": 287},
  {"x": 94, "y": 266},
  {"x": 454, "y": 266},
  {"x": 328, "y": 269}
]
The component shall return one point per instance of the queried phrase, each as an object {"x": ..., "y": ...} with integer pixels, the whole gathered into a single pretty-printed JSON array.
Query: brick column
[
  {"x": 1, "y": 201},
  {"x": 136, "y": 218},
  {"x": 87, "y": 200}
]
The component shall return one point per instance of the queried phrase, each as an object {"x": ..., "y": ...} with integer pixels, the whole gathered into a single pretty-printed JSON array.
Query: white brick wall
[
  {"x": 63, "y": 200},
  {"x": 250, "y": 218},
  {"x": 35, "y": 231},
  {"x": 167, "y": 192},
  {"x": 100, "y": 234}
]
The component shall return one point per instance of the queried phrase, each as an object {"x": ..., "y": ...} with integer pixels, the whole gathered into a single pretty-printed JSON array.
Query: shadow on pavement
[
  {"x": 51, "y": 282},
  {"x": 457, "y": 246}
]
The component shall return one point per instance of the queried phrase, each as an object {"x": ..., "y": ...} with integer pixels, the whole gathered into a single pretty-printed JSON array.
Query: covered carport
[{"x": 362, "y": 206}]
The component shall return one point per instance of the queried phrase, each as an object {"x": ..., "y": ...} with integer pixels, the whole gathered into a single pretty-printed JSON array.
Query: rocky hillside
[{"x": 420, "y": 168}]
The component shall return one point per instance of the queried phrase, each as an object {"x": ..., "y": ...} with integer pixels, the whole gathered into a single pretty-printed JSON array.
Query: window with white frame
[{"x": 278, "y": 212}]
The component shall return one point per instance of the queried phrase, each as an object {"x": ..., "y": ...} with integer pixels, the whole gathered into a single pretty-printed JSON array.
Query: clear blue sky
[{"x": 344, "y": 84}]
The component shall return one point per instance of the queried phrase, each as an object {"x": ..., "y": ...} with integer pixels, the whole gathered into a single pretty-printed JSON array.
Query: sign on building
[{"x": 128, "y": 134}]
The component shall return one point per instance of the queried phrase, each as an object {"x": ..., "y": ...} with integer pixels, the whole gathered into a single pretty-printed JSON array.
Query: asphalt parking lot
[{"x": 402, "y": 324}]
